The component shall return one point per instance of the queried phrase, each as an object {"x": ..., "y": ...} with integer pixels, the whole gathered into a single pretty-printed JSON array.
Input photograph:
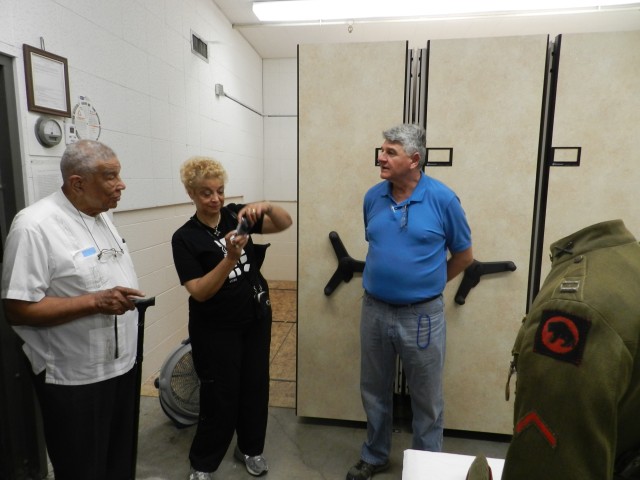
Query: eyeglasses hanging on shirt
[
  {"x": 103, "y": 253},
  {"x": 107, "y": 253},
  {"x": 404, "y": 220}
]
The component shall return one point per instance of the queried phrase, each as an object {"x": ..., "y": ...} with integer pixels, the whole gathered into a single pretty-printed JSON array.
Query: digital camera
[{"x": 243, "y": 227}]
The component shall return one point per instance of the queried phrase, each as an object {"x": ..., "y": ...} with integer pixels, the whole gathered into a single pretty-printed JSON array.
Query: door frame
[{"x": 22, "y": 451}]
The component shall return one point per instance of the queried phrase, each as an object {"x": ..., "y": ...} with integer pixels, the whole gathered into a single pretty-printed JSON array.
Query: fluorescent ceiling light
[{"x": 306, "y": 10}]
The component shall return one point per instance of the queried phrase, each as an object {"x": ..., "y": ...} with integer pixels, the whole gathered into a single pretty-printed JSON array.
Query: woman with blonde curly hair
[{"x": 230, "y": 334}]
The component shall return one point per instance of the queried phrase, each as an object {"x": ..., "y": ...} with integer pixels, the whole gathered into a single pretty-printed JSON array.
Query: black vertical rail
[
  {"x": 141, "y": 306},
  {"x": 424, "y": 87},
  {"x": 408, "y": 97},
  {"x": 426, "y": 58},
  {"x": 544, "y": 163}
]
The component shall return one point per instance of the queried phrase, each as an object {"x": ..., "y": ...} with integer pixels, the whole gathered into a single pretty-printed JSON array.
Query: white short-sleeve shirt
[{"x": 53, "y": 250}]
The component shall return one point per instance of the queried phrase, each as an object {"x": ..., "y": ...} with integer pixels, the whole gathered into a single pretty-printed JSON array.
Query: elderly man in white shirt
[{"x": 67, "y": 286}]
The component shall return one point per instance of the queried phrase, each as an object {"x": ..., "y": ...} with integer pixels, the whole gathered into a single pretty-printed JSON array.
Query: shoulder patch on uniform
[{"x": 562, "y": 336}]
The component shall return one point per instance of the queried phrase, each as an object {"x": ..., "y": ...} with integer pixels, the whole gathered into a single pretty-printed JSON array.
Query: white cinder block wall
[
  {"x": 280, "y": 93},
  {"x": 157, "y": 106}
]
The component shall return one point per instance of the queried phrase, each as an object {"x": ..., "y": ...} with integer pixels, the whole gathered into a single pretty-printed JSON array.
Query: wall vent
[{"x": 199, "y": 47}]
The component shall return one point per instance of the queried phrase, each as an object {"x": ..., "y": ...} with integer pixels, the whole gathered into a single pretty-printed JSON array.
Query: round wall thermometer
[
  {"x": 86, "y": 120},
  {"x": 48, "y": 131}
]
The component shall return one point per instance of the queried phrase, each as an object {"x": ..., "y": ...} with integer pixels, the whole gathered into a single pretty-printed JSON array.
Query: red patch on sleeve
[
  {"x": 562, "y": 336},
  {"x": 533, "y": 419}
]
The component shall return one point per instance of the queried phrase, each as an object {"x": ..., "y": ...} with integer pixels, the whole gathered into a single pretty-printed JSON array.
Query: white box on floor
[{"x": 418, "y": 465}]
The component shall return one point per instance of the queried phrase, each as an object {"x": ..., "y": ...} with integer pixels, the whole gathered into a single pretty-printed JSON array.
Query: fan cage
[{"x": 179, "y": 387}]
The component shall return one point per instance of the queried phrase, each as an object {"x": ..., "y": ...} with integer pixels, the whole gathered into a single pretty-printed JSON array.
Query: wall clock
[{"x": 86, "y": 120}]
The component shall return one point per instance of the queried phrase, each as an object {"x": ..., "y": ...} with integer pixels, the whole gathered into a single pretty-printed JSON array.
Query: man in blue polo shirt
[{"x": 412, "y": 222}]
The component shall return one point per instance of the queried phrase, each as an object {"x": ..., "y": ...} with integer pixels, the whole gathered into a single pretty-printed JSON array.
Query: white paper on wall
[{"x": 46, "y": 177}]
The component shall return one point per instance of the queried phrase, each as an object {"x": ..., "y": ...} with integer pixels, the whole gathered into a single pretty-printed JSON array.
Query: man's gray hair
[
  {"x": 412, "y": 137},
  {"x": 80, "y": 158}
]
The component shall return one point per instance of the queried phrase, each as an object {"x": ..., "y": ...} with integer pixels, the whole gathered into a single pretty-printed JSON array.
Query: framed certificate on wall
[{"x": 47, "y": 79}]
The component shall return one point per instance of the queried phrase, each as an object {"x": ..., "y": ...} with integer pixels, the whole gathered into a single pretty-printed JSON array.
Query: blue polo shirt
[{"x": 408, "y": 242}]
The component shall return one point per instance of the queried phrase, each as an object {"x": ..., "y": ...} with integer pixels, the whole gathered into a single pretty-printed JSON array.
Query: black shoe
[{"x": 364, "y": 471}]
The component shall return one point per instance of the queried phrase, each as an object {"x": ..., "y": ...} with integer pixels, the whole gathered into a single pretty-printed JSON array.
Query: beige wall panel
[
  {"x": 348, "y": 94},
  {"x": 598, "y": 109},
  {"x": 485, "y": 100}
]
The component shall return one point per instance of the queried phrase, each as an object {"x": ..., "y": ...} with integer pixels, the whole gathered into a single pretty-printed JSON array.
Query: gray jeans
[{"x": 417, "y": 334}]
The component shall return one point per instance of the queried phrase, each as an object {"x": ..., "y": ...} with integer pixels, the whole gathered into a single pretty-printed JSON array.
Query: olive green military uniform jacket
[{"x": 577, "y": 404}]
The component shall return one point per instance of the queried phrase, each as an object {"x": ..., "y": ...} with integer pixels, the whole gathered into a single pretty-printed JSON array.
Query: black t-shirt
[{"x": 197, "y": 250}]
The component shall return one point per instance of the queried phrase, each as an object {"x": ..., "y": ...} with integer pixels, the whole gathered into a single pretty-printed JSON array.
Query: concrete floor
[{"x": 296, "y": 448}]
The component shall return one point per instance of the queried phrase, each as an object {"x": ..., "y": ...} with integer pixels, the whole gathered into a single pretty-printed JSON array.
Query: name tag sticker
[{"x": 89, "y": 251}]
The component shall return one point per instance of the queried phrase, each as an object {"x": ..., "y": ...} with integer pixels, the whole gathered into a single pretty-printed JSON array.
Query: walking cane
[{"x": 141, "y": 306}]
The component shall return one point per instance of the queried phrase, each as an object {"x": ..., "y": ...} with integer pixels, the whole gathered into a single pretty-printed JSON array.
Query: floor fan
[{"x": 179, "y": 387}]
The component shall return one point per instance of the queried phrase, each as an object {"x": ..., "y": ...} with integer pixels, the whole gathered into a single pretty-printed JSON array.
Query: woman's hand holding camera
[{"x": 235, "y": 244}]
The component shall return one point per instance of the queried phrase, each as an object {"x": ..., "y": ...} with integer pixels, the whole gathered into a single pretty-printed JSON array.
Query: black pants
[
  {"x": 89, "y": 428},
  {"x": 233, "y": 367}
]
